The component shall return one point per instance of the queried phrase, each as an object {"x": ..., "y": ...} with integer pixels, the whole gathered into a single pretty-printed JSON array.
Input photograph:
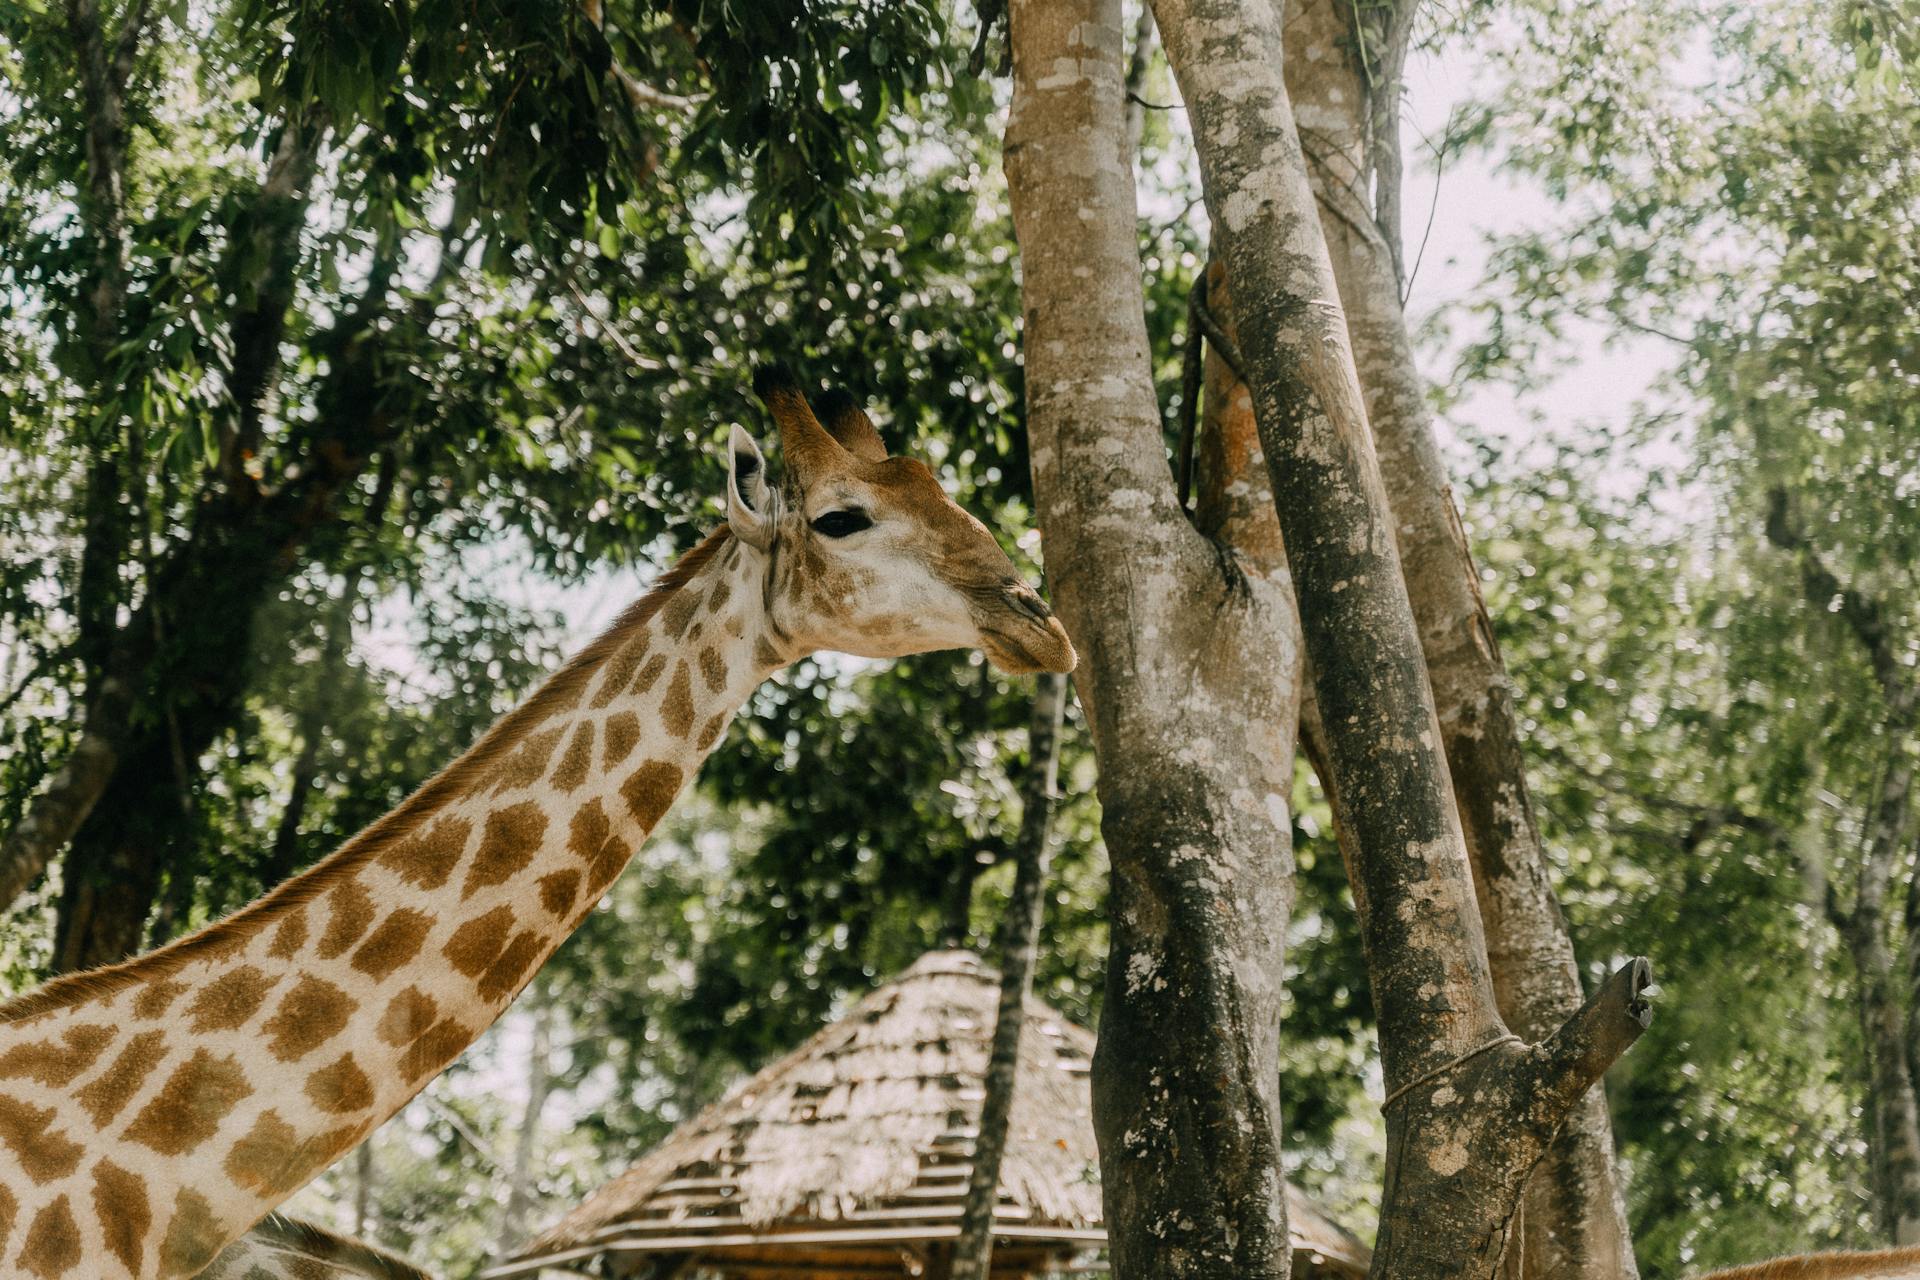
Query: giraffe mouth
[
  {"x": 1021, "y": 655},
  {"x": 1018, "y": 632}
]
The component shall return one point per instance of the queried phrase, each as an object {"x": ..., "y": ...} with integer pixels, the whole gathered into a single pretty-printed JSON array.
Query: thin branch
[
  {"x": 1592, "y": 1040},
  {"x": 1223, "y": 345},
  {"x": 644, "y": 96},
  {"x": 1865, "y": 615},
  {"x": 1192, "y": 369},
  {"x": 1433, "y": 207},
  {"x": 49, "y": 661},
  {"x": 127, "y": 44},
  {"x": 466, "y": 1132},
  {"x": 641, "y": 96}
]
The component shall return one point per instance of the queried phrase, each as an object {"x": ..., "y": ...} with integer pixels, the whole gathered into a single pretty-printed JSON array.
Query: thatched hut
[{"x": 849, "y": 1157}]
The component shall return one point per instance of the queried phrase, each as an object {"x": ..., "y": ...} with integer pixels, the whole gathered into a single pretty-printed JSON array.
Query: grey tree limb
[
  {"x": 1460, "y": 1148},
  {"x": 1017, "y": 946},
  {"x": 1194, "y": 740}
]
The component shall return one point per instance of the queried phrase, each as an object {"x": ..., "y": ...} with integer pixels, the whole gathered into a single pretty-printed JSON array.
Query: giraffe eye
[{"x": 838, "y": 524}]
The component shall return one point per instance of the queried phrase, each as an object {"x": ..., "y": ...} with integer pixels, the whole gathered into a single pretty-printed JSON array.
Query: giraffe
[
  {"x": 282, "y": 1248},
  {"x": 1884, "y": 1264},
  {"x": 151, "y": 1112}
]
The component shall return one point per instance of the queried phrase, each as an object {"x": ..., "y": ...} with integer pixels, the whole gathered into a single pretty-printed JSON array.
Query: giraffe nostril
[{"x": 1027, "y": 601}]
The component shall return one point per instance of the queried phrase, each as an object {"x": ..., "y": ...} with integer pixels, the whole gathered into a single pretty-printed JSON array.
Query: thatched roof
[{"x": 861, "y": 1138}]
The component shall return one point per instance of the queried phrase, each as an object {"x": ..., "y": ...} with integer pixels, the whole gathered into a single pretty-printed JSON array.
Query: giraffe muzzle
[{"x": 1022, "y": 635}]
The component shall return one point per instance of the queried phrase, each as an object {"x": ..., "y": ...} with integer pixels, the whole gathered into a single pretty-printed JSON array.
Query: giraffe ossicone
[{"x": 151, "y": 1112}]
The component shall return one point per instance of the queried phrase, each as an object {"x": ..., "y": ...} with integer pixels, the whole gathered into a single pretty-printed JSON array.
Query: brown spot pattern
[
  {"x": 272, "y": 1163},
  {"x": 395, "y": 941},
  {"x": 711, "y": 733},
  {"x": 765, "y": 655},
  {"x": 290, "y": 935},
  {"x": 721, "y": 593},
  {"x": 427, "y": 859},
  {"x": 650, "y": 791},
  {"x": 713, "y": 668},
  {"x": 651, "y": 673},
  {"x": 679, "y": 612},
  {"x": 309, "y": 1015},
  {"x": 120, "y": 1205},
  {"x": 53, "y": 1064},
  {"x": 676, "y": 710},
  {"x": 192, "y": 1238},
  {"x": 115, "y": 1087},
  {"x": 230, "y": 999},
  {"x": 157, "y": 999},
  {"x": 434, "y": 1049},
  {"x": 503, "y": 975},
  {"x": 558, "y": 891},
  {"x": 190, "y": 1105},
  {"x": 573, "y": 767},
  {"x": 258, "y": 1162},
  {"x": 352, "y": 911},
  {"x": 9, "y": 1212},
  {"x": 45, "y": 1153},
  {"x": 623, "y": 731},
  {"x": 528, "y": 764},
  {"x": 512, "y": 838},
  {"x": 340, "y": 1087},
  {"x": 407, "y": 1017},
  {"x": 591, "y": 840},
  {"x": 478, "y": 943},
  {"x": 53, "y": 1241},
  {"x": 620, "y": 669}
]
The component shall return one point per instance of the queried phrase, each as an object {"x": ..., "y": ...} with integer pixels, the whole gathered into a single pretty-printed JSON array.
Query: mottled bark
[
  {"x": 1018, "y": 944},
  {"x": 1194, "y": 739},
  {"x": 1470, "y": 1108},
  {"x": 1575, "y": 1217},
  {"x": 1888, "y": 1032}
]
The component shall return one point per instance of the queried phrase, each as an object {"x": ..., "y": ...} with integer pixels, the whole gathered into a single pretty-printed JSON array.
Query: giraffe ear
[
  {"x": 848, "y": 423},
  {"x": 750, "y": 500}
]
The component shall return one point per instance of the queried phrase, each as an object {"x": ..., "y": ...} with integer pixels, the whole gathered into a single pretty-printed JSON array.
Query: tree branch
[
  {"x": 1573, "y": 1059},
  {"x": 1865, "y": 615}
]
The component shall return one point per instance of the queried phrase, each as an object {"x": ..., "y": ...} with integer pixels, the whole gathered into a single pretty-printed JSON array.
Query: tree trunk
[
  {"x": 1470, "y": 1109},
  {"x": 1575, "y": 1217},
  {"x": 363, "y": 1187},
  {"x": 1019, "y": 938},
  {"x": 1194, "y": 740},
  {"x": 520, "y": 1200},
  {"x": 1888, "y": 1034}
]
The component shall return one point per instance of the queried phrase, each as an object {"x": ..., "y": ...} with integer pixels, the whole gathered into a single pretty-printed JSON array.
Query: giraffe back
[{"x": 282, "y": 1248}]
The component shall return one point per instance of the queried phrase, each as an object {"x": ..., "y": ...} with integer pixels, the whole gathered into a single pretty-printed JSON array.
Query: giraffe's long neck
[{"x": 150, "y": 1114}]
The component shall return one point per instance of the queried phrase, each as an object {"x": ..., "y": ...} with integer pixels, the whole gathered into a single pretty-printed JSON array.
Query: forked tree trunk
[
  {"x": 1189, "y": 677},
  {"x": 1019, "y": 940},
  {"x": 1575, "y": 1218},
  {"x": 1470, "y": 1109}
]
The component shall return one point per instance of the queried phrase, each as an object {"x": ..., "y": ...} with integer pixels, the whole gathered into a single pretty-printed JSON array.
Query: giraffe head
[{"x": 865, "y": 553}]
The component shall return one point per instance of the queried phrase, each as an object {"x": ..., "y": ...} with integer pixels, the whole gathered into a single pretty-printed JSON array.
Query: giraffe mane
[
  {"x": 1825, "y": 1266},
  {"x": 560, "y": 692},
  {"x": 304, "y": 1237}
]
